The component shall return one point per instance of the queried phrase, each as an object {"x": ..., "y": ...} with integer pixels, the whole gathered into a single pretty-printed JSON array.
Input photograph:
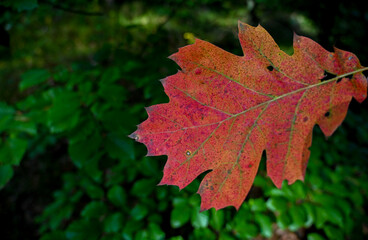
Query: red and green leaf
[{"x": 225, "y": 110}]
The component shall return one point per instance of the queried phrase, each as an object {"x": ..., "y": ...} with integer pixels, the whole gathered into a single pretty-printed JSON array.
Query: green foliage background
[{"x": 75, "y": 78}]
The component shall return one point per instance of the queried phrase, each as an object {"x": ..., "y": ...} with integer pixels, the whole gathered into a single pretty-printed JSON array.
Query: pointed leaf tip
[{"x": 134, "y": 136}]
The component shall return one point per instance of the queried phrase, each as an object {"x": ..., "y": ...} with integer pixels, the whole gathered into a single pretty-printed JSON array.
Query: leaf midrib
[
  {"x": 300, "y": 90},
  {"x": 265, "y": 103}
]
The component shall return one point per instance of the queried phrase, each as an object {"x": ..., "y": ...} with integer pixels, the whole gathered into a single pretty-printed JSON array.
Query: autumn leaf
[{"x": 225, "y": 110}]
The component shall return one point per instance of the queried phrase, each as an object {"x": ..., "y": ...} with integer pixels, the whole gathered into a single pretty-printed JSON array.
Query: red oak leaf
[{"x": 225, "y": 110}]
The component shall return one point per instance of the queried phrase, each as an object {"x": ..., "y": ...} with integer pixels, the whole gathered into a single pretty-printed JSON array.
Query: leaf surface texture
[{"x": 225, "y": 110}]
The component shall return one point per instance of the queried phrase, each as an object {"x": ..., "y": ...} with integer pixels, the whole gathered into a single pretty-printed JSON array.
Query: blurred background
[{"x": 75, "y": 76}]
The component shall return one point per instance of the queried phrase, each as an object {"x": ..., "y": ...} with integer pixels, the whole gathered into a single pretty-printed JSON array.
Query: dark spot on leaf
[
  {"x": 270, "y": 68},
  {"x": 327, "y": 114},
  {"x": 211, "y": 187},
  {"x": 250, "y": 165},
  {"x": 188, "y": 153},
  {"x": 327, "y": 76},
  {"x": 229, "y": 171},
  {"x": 305, "y": 119},
  {"x": 198, "y": 71}
]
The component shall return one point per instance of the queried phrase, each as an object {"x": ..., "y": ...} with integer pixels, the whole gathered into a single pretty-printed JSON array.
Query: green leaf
[
  {"x": 155, "y": 232},
  {"x": 261, "y": 181},
  {"x": 321, "y": 217},
  {"x": 246, "y": 230},
  {"x": 265, "y": 224},
  {"x": 6, "y": 116},
  {"x": 225, "y": 236},
  {"x": 288, "y": 192},
  {"x": 333, "y": 233},
  {"x": 117, "y": 196},
  {"x": 141, "y": 235},
  {"x": 91, "y": 167},
  {"x": 6, "y": 110},
  {"x": 204, "y": 233},
  {"x": 276, "y": 192},
  {"x": 356, "y": 197},
  {"x": 315, "y": 236},
  {"x": 334, "y": 216},
  {"x": 139, "y": 212},
  {"x": 257, "y": 205},
  {"x": 118, "y": 146},
  {"x": 94, "y": 191},
  {"x": 298, "y": 217},
  {"x": 12, "y": 150},
  {"x": 64, "y": 113},
  {"x": 277, "y": 204},
  {"x": 180, "y": 215},
  {"x": 199, "y": 219},
  {"x": 113, "y": 223},
  {"x": 61, "y": 74},
  {"x": 143, "y": 187},
  {"x": 324, "y": 199},
  {"x": 337, "y": 190},
  {"x": 161, "y": 193},
  {"x": 57, "y": 213},
  {"x": 299, "y": 190},
  {"x": 130, "y": 227},
  {"x": 85, "y": 128},
  {"x": 195, "y": 201},
  {"x": 115, "y": 177},
  {"x": 24, "y": 125},
  {"x": 217, "y": 219},
  {"x": 150, "y": 169},
  {"x": 310, "y": 212},
  {"x": 94, "y": 209},
  {"x": 85, "y": 90},
  {"x": 6, "y": 173},
  {"x": 80, "y": 152},
  {"x": 35, "y": 102},
  {"x": 344, "y": 206},
  {"x": 283, "y": 220},
  {"x": 34, "y": 76},
  {"x": 177, "y": 238},
  {"x": 76, "y": 196},
  {"x": 83, "y": 230},
  {"x": 192, "y": 188},
  {"x": 244, "y": 213},
  {"x": 111, "y": 75},
  {"x": 349, "y": 224}
]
